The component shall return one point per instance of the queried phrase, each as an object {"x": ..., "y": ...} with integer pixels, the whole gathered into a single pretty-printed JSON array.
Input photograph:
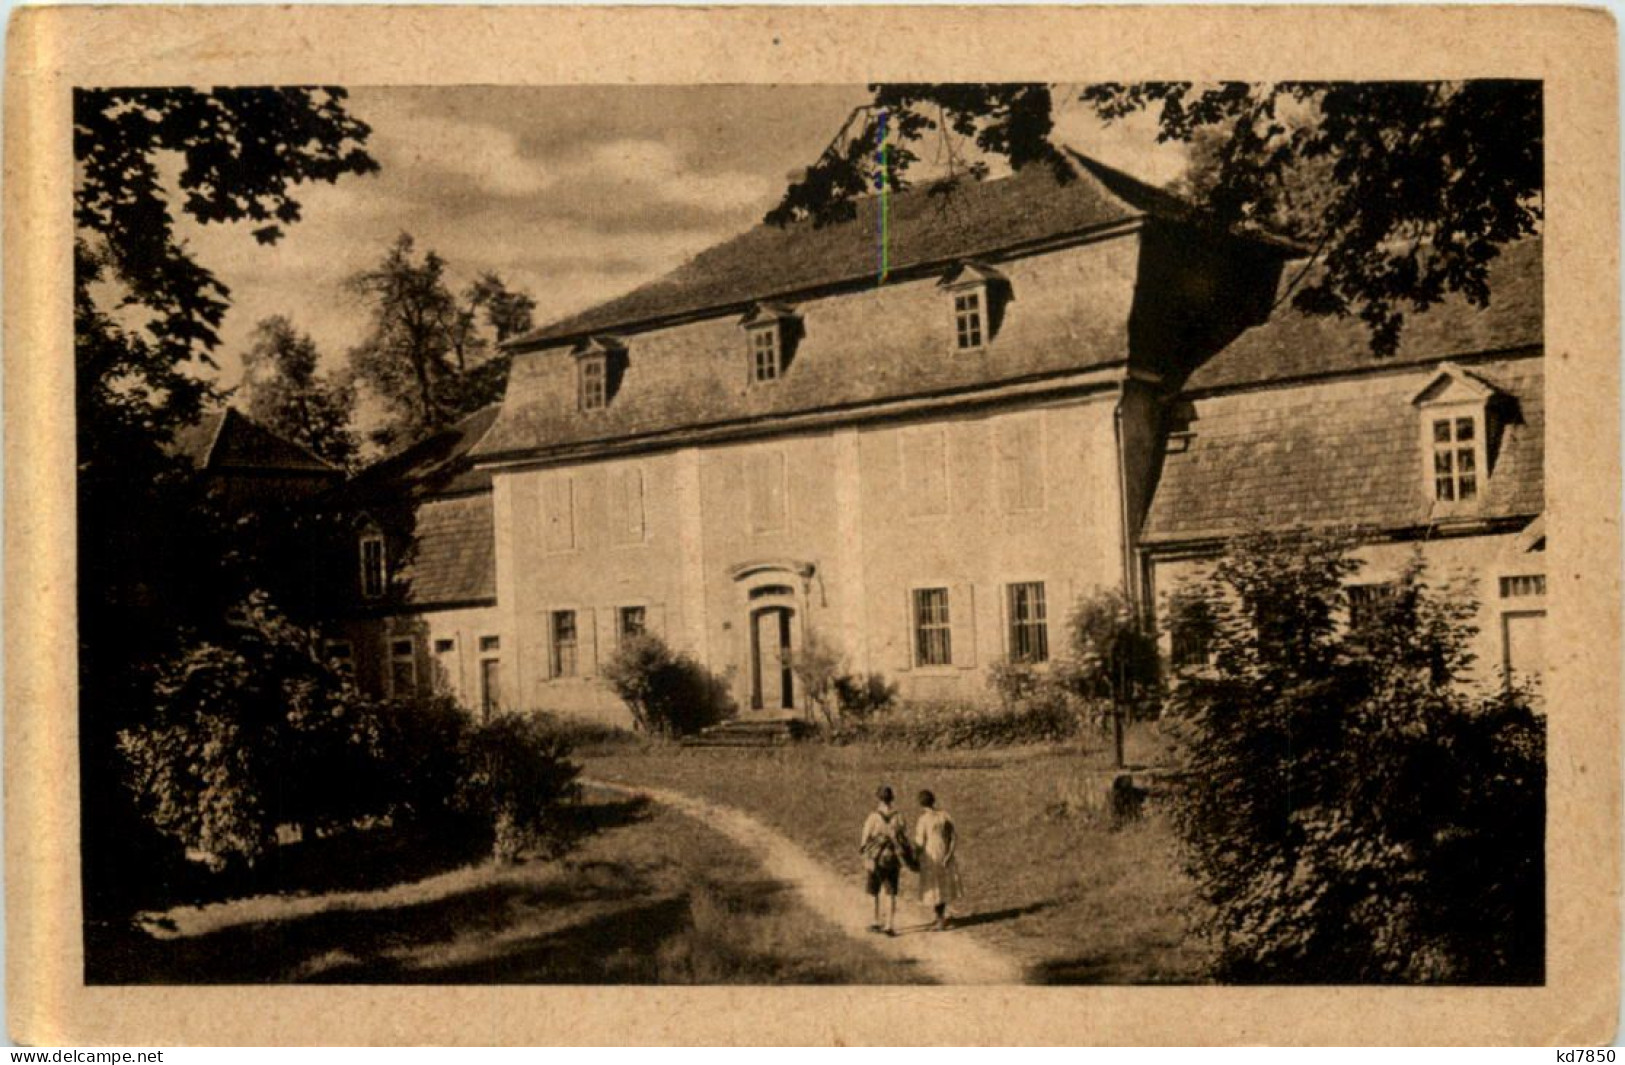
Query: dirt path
[{"x": 950, "y": 958}]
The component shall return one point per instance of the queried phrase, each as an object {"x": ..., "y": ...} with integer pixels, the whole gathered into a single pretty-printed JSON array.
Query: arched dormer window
[
  {"x": 1458, "y": 422},
  {"x": 977, "y": 295},
  {"x": 771, "y": 333},
  {"x": 600, "y": 362},
  {"x": 373, "y": 558}
]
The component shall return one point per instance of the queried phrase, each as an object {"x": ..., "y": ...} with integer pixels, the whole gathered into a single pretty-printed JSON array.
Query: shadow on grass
[
  {"x": 364, "y": 944},
  {"x": 971, "y": 920}
]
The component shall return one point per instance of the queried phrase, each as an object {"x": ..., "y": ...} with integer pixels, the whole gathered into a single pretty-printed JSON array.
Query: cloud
[
  {"x": 476, "y": 157},
  {"x": 655, "y": 170}
]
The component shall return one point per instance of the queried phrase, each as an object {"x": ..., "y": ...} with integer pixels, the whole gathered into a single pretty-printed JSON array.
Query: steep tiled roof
[
  {"x": 436, "y": 465},
  {"x": 454, "y": 560},
  {"x": 1070, "y": 313},
  {"x": 227, "y": 439},
  {"x": 977, "y": 219},
  {"x": 1345, "y": 451},
  {"x": 1293, "y": 344}
]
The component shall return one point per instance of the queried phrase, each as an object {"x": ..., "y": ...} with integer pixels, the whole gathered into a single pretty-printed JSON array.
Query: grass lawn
[
  {"x": 1075, "y": 901},
  {"x": 650, "y": 897}
]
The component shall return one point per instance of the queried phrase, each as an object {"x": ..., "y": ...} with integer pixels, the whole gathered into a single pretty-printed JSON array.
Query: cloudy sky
[{"x": 571, "y": 194}]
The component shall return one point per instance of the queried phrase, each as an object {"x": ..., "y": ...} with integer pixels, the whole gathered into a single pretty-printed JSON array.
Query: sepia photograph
[
  {"x": 985, "y": 533},
  {"x": 820, "y": 532}
]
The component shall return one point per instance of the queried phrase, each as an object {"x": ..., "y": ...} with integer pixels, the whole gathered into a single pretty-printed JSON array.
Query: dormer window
[
  {"x": 1455, "y": 459},
  {"x": 600, "y": 361},
  {"x": 1456, "y": 409},
  {"x": 373, "y": 563},
  {"x": 771, "y": 332},
  {"x": 968, "y": 329},
  {"x": 764, "y": 353},
  {"x": 978, "y": 294},
  {"x": 594, "y": 383}
]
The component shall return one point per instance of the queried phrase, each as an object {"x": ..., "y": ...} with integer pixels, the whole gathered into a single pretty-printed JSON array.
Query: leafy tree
[
  {"x": 1113, "y": 659},
  {"x": 1353, "y": 812},
  {"x": 1404, "y": 191},
  {"x": 237, "y": 155},
  {"x": 286, "y": 394},
  {"x": 153, "y": 558},
  {"x": 427, "y": 355}
]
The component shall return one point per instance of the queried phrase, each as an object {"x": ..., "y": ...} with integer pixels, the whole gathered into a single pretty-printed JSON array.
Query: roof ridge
[{"x": 1081, "y": 167}]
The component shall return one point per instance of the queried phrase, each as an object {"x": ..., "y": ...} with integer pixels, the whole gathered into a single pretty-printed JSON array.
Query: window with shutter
[
  {"x": 933, "y": 628},
  {"x": 1028, "y": 616},
  {"x": 565, "y": 646}
]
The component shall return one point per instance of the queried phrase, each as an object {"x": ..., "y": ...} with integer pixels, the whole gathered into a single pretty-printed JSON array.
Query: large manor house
[{"x": 1058, "y": 387}]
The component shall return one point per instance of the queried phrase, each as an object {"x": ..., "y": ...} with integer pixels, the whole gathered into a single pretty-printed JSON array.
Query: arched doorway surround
[{"x": 772, "y": 602}]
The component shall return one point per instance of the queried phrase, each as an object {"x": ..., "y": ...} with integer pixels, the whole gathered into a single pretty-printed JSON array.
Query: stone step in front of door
[{"x": 766, "y": 732}]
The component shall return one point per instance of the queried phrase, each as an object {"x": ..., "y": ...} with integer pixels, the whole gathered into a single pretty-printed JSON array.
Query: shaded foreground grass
[
  {"x": 653, "y": 898},
  {"x": 1075, "y": 901}
]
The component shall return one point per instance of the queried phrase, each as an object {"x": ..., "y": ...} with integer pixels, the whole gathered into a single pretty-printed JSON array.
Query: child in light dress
[{"x": 935, "y": 845}]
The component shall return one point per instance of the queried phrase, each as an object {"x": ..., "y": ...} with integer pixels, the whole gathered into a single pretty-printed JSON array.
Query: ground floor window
[
  {"x": 403, "y": 669},
  {"x": 933, "y": 635},
  {"x": 341, "y": 653},
  {"x": 631, "y": 621},
  {"x": 1367, "y": 600},
  {"x": 1523, "y": 586},
  {"x": 490, "y": 687},
  {"x": 1523, "y": 646},
  {"x": 564, "y": 643},
  {"x": 1029, "y": 625}
]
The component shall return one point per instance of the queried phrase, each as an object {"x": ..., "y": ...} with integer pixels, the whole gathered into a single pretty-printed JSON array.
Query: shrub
[
  {"x": 942, "y": 726},
  {"x": 1351, "y": 812},
  {"x": 419, "y": 764},
  {"x": 1014, "y": 681},
  {"x": 817, "y": 665},
  {"x": 667, "y": 693},
  {"x": 517, "y": 774},
  {"x": 862, "y": 695},
  {"x": 581, "y": 732},
  {"x": 250, "y": 733}
]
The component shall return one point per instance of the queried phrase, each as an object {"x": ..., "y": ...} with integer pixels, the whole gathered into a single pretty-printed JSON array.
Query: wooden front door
[{"x": 772, "y": 684}]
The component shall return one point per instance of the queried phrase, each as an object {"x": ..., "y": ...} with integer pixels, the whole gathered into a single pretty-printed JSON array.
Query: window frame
[
  {"x": 409, "y": 657},
  {"x": 622, "y": 613},
  {"x": 1366, "y": 595},
  {"x": 344, "y": 660},
  {"x": 1021, "y": 630},
  {"x": 370, "y": 590},
  {"x": 592, "y": 368},
  {"x": 970, "y": 316},
  {"x": 1454, "y": 449},
  {"x": 772, "y": 332},
  {"x": 556, "y": 645},
  {"x": 931, "y": 636}
]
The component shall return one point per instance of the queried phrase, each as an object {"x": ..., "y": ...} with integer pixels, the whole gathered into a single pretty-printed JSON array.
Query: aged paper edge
[{"x": 53, "y": 49}]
